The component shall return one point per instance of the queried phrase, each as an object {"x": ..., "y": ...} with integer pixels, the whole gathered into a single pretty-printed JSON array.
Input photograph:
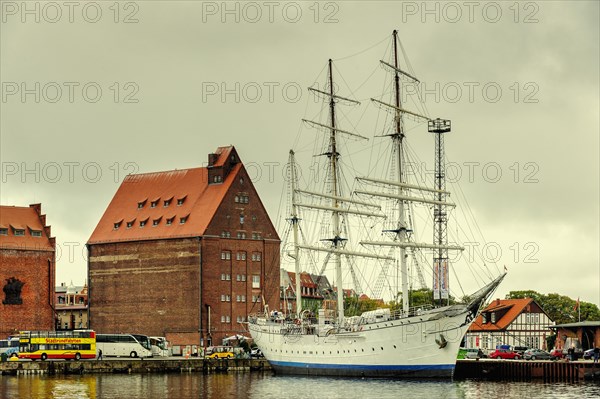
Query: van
[{"x": 219, "y": 352}]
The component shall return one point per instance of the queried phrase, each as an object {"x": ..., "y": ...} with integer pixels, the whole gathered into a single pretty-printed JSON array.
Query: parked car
[
  {"x": 504, "y": 354},
  {"x": 520, "y": 350},
  {"x": 256, "y": 353},
  {"x": 556, "y": 354},
  {"x": 219, "y": 352},
  {"x": 536, "y": 354},
  {"x": 588, "y": 354}
]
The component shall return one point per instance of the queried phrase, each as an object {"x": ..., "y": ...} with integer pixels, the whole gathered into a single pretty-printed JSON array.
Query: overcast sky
[{"x": 92, "y": 91}]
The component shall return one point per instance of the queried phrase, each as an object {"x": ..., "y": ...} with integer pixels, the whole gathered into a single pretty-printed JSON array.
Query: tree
[{"x": 560, "y": 308}]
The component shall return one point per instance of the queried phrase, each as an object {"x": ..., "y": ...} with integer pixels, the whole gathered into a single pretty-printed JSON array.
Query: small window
[
  {"x": 225, "y": 255},
  {"x": 241, "y": 219},
  {"x": 36, "y": 233},
  {"x": 3, "y": 231},
  {"x": 237, "y": 199},
  {"x": 255, "y": 281},
  {"x": 19, "y": 232}
]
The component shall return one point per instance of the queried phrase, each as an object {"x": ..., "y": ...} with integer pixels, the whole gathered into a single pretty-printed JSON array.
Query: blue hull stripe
[{"x": 358, "y": 367}]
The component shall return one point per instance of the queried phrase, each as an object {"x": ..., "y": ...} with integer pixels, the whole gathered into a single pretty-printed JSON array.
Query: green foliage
[
  {"x": 355, "y": 307},
  {"x": 560, "y": 308}
]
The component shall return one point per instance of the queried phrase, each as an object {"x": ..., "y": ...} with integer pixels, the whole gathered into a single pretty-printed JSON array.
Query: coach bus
[
  {"x": 124, "y": 345},
  {"x": 42, "y": 345},
  {"x": 160, "y": 346}
]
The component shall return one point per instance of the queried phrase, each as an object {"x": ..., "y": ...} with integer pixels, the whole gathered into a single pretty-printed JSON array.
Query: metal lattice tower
[{"x": 440, "y": 217}]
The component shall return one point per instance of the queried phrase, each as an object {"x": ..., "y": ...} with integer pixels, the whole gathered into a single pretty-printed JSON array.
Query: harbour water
[{"x": 267, "y": 386}]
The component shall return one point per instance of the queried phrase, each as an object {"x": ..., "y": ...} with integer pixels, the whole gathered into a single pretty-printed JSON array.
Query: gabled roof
[
  {"x": 29, "y": 219},
  {"x": 509, "y": 308},
  {"x": 133, "y": 203}
]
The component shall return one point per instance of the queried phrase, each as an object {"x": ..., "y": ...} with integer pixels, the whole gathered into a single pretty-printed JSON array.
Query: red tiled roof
[
  {"x": 23, "y": 218},
  {"x": 201, "y": 201},
  {"x": 513, "y": 308}
]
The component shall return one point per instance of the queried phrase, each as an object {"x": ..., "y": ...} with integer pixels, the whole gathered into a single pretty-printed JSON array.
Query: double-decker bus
[
  {"x": 76, "y": 344},
  {"x": 118, "y": 345}
]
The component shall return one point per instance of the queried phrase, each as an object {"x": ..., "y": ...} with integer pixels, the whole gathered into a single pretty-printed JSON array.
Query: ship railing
[{"x": 412, "y": 311}]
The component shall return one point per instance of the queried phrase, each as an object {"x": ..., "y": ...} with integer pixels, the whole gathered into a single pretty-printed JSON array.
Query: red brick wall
[
  {"x": 146, "y": 287},
  {"x": 32, "y": 268},
  {"x": 255, "y": 221}
]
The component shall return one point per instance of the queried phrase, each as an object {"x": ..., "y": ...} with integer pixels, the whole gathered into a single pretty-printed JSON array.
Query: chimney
[
  {"x": 497, "y": 301},
  {"x": 212, "y": 158}
]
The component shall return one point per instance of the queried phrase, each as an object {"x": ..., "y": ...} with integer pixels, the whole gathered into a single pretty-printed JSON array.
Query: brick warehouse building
[
  {"x": 184, "y": 254},
  {"x": 27, "y": 270}
]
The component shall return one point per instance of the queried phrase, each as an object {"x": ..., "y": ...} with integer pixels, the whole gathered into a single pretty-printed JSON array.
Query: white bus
[
  {"x": 121, "y": 345},
  {"x": 160, "y": 346}
]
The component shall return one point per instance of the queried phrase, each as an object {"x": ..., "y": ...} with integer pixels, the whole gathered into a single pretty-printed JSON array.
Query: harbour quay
[
  {"x": 135, "y": 366},
  {"x": 526, "y": 370},
  {"x": 493, "y": 370}
]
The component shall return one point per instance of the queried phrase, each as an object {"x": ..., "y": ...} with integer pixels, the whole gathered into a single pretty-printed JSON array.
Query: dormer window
[
  {"x": 217, "y": 179},
  {"x": 116, "y": 225},
  {"x": 494, "y": 317},
  {"x": 36, "y": 233},
  {"x": 184, "y": 219},
  {"x": 155, "y": 222},
  {"x": 143, "y": 222},
  {"x": 484, "y": 318},
  {"x": 3, "y": 231},
  {"x": 19, "y": 232},
  {"x": 168, "y": 201},
  {"x": 130, "y": 224},
  {"x": 141, "y": 204},
  {"x": 169, "y": 221},
  {"x": 153, "y": 204},
  {"x": 180, "y": 201}
]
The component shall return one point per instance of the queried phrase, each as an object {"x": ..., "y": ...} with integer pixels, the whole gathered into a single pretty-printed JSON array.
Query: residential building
[
  {"x": 314, "y": 289},
  {"x": 71, "y": 307},
  {"x": 516, "y": 322},
  {"x": 27, "y": 256},
  {"x": 185, "y": 254}
]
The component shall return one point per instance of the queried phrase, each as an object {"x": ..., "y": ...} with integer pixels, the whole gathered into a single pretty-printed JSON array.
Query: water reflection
[{"x": 266, "y": 386}]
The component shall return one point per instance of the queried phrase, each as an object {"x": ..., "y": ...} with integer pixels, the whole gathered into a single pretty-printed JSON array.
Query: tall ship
[{"x": 370, "y": 229}]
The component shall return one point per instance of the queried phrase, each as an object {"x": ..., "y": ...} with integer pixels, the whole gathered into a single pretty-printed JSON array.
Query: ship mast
[
  {"x": 403, "y": 239},
  {"x": 333, "y": 158},
  {"x": 398, "y": 138},
  {"x": 294, "y": 220}
]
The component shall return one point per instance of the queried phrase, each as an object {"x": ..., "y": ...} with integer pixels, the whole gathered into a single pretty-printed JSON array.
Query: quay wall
[
  {"x": 495, "y": 370},
  {"x": 130, "y": 366}
]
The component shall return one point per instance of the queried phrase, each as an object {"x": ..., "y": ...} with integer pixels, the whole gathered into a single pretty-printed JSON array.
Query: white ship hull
[{"x": 423, "y": 346}]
